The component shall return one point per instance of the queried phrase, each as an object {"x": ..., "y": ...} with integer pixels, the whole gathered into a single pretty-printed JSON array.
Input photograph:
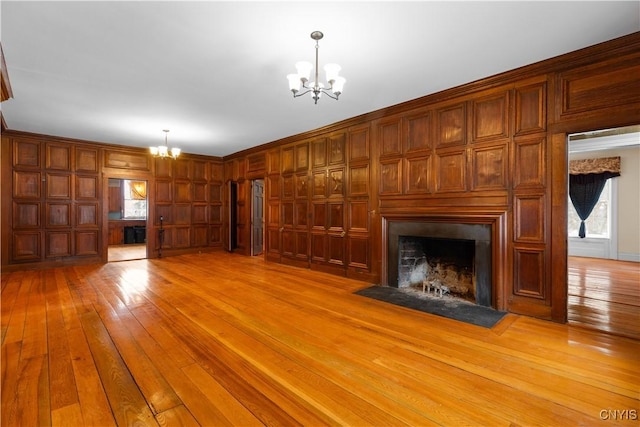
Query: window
[
  {"x": 135, "y": 199},
  {"x": 598, "y": 225}
]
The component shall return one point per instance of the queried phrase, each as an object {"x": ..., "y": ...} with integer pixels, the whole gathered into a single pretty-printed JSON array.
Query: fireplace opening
[
  {"x": 445, "y": 266},
  {"x": 445, "y": 258}
]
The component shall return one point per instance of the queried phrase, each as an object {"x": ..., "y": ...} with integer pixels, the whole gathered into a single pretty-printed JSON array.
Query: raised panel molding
[
  {"x": 531, "y": 108},
  {"x": 87, "y": 160},
  {"x": 58, "y": 186},
  {"x": 529, "y": 169},
  {"x": 418, "y": 128},
  {"x": 26, "y": 185},
  {"x": 200, "y": 192},
  {"x": 256, "y": 163},
  {"x": 181, "y": 237},
  {"x": 390, "y": 177},
  {"x": 163, "y": 167},
  {"x": 86, "y": 187},
  {"x": 273, "y": 186},
  {"x": 529, "y": 280},
  {"x": 287, "y": 158},
  {"x": 26, "y": 245},
  {"x": 87, "y": 215},
  {"x": 336, "y": 182},
  {"x": 591, "y": 88},
  {"x": 26, "y": 154},
  {"x": 163, "y": 191},
  {"x": 319, "y": 247},
  {"x": 58, "y": 157},
  {"x": 529, "y": 218},
  {"x": 200, "y": 235},
  {"x": 451, "y": 126},
  {"x": 288, "y": 187},
  {"x": 182, "y": 191},
  {"x": 164, "y": 211},
  {"x": 491, "y": 117},
  {"x": 302, "y": 156},
  {"x": 58, "y": 244},
  {"x": 201, "y": 170},
  {"x": 337, "y": 144},
  {"x": 418, "y": 175},
  {"x": 359, "y": 250},
  {"x": 451, "y": 171},
  {"x": 58, "y": 215},
  {"x": 319, "y": 152},
  {"x": 302, "y": 186},
  {"x": 126, "y": 160},
  {"x": 86, "y": 243},
  {"x": 320, "y": 184},
  {"x": 26, "y": 215},
  {"x": 489, "y": 166},
  {"x": 274, "y": 161},
  {"x": 182, "y": 168},
  {"x": 359, "y": 180},
  {"x": 389, "y": 136},
  {"x": 359, "y": 216},
  {"x": 199, "y": 213},
  {"x": 359, "y": 144}
]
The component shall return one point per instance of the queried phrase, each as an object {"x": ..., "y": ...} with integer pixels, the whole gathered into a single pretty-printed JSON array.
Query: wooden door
[{"x": 257, "y": 217}]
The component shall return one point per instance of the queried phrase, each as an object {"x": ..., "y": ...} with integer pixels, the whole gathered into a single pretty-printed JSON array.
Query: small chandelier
[
  {"x": 336, "y": 82},
  {"x": 163, "y": 150}
]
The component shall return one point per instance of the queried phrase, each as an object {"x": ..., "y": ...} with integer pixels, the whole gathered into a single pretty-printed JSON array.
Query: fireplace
[{"x": 456, "y": 256}]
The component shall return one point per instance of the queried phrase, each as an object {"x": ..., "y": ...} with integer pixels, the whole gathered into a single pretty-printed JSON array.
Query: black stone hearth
[{"x": 452, "y": 309}]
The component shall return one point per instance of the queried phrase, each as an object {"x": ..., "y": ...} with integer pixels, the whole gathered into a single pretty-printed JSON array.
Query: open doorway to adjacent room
[
  {"x": 128, "y": 212},
  {"x": 604, "y": 257}
]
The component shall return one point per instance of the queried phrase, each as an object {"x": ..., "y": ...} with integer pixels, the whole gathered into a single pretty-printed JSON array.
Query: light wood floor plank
[{"x": 221, "y": 339}]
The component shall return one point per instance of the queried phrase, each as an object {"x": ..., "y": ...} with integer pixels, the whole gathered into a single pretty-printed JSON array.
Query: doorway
[
  {"x": 257, "y": 217},
  {"x": 604, "y": 265},
  {"x": 127, "y": 216}
]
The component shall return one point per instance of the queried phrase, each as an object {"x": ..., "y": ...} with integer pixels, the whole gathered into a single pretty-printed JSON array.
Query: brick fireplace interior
[{"x": 458, "y": 255}]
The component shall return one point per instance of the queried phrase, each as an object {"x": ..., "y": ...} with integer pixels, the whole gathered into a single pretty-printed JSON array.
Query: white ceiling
[{"x": 214, "y": 72}]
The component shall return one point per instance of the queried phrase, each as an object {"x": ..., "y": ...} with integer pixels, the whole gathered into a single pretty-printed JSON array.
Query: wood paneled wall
[
  {"x": 492, "y": 151},
  {"x": 55, "y": 199}
]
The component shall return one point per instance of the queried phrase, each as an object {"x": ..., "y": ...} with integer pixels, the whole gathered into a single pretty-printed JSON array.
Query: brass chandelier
[{"x": 163, "y": 151}]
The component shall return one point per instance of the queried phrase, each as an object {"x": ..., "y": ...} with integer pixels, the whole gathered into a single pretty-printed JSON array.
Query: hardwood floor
[
  {"x": 604, "y": 295},
  {"x": 222, "y": 339},
  {"x": 127, "y": 252}
]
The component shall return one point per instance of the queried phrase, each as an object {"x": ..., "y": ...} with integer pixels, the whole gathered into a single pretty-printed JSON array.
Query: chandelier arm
[
  {"x": 295, "y": 95},
  {"x": 329, "y": 94}
]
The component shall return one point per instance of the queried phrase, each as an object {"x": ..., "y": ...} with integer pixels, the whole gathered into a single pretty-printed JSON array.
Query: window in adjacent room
[{"x": 135, "y": 199}]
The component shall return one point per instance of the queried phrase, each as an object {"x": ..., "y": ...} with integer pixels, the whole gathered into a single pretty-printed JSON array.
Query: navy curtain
[{"x": 584, "y": 191}]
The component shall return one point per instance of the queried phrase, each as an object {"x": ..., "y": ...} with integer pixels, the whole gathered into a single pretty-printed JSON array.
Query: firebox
[{"x": 457, "y": 256}]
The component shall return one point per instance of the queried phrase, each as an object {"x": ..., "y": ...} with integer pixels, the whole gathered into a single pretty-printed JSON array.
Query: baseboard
[{"x": 628, "y": 256}]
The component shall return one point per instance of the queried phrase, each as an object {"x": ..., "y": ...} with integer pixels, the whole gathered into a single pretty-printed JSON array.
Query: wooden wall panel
[
  {"x": 215, "y": 237},
  {"x": 58, "y": 156},
  {"x": 390, "y": 137},
  {"x": 302, "y": 156},
  {"x": 489, "y": 165},
  {"x": 164, "y": 193},
  {"x": 87, "y": 214},
  {"x": 86, "y": 243},
  {"x": 319, "y": 216},
  {"x": 87, "y": 160},
  {"x": 58, "y": 244},
  {"x": 127, "y": 160},
  {"x": 418, "y": 128},
  {"x": 451, "y": 126},
  {"x": 529, "y": 169},
  {"x": 26, "y": 214},
  {"x": 182, "y": 191},
  {"x": 320, "y": 184},
  {"x": 273, "y": 157},
  {"x": 336, "y": 182},
  {"x": 288, "y": 187},
  {"x": 200, "y": 170},
  {"x": 491, "y": 117},
  {"x": 358, "y": 144},
  {"x": 319, "y": 152},
  {"x": 359, "y": 252},
  {"x": 200, "y": 192},
  {"x": 26, "y": 246},
  {"x": 529, "y": 218},
  {"x": 58, "y": 214},
  {"x": 287, "y": 159},
  {"x": 531, "y": 108},
  {"x": 86, "y": 187},
  {"x": 182, "y": 169},
  {"x": 529, "y": 273},
  {"x": 26, "y": 153},
  {"x": 163, "y": 167},
  {"x": 337, "y": 142},
  {"x": 418, "y": 175},
  {"x": 336, "y": 253},
  {"x": 319, "y": 247},
  {"x": 390, "y": 177},
  {"x": 164, "y": 211},
  {"x": 215, "y": 214},
  {"x": 359, "y": 180},
  {"x": 200, "y": 235},
  {"x": 301, "y": 186},
  {"x": 26, "y": 185},
  {"x": 359, "y": 216},
  {"x": 182, "y": 237},
  {"x": 451, "y": 167},
  {"x": 58, "y": 186},
  {"x": 182, "y": 213},
  {"x": 200, "y": 215}
]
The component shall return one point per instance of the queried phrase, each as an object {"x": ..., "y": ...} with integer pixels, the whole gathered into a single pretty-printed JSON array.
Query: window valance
[{"x": 600, "y": 165}]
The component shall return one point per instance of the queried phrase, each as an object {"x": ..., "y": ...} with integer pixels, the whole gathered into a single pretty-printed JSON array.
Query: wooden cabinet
[{"x": 117, "y": 230}]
